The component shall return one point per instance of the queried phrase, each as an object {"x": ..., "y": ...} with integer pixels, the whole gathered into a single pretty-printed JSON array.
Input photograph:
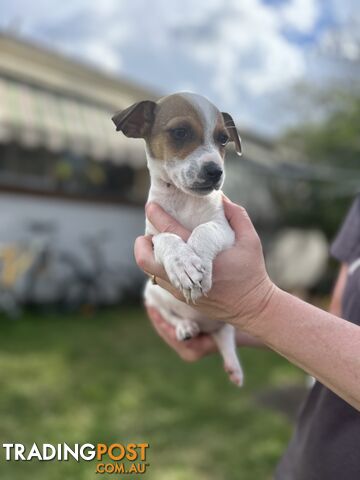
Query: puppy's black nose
[{"x": 212, "y": 171}]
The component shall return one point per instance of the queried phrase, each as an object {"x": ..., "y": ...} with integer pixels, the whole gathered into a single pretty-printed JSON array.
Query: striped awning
[{"x": 35, "y": 117}]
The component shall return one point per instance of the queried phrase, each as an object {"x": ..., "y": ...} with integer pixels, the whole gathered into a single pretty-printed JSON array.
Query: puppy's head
[{"x": 185, "y": 136}]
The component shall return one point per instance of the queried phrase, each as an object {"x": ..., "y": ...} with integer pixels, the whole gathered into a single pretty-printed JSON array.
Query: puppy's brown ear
[
  {"x": 135, "y": 121},
  {"x": 232, "y": 131}
]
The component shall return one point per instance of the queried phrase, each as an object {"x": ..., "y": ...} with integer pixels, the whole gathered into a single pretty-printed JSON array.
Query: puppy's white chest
[{"x": 188, "y": 211}]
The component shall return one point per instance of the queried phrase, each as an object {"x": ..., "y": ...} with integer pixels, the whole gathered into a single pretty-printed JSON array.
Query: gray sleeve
[{"x": 346, "y": 246}]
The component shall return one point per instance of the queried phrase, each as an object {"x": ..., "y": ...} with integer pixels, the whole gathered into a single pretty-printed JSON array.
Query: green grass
[{"x": 110, "y": 379}]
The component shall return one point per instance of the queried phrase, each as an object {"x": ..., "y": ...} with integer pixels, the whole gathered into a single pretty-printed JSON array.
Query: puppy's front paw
[
  {"x": 186, "y": 272},
  {"x": 186, "y": 329}
]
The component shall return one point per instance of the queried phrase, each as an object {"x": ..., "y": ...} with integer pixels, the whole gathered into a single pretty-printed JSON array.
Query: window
[{"x": 65, "y": 173}]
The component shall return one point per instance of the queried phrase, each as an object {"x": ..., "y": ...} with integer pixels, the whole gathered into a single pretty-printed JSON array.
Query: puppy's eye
[
  {"x": 223, "y": 139},
  {"x": 179, "y": 133}
]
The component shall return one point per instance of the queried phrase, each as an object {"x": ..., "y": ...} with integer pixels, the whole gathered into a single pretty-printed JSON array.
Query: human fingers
[
  {"x": 144, "y": 256},
  {"x": 163, "y": 222},
  {"x": 238, "y": 219}
]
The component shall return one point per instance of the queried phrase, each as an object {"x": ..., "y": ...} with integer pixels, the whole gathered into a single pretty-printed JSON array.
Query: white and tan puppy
[{"x": 185, "y": 139}]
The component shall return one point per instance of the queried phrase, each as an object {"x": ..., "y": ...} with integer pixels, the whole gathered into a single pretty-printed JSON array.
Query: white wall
[{"x": 75, "y": 220}]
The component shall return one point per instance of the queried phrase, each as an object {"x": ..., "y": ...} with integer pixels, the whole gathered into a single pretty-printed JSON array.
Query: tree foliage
[
  {"x": 330, "y": 144},
  {"x": 336, "y": 139}
]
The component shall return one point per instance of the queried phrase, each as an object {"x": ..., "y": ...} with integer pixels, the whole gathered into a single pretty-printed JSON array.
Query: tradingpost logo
[{"x": 115, "y": 458}]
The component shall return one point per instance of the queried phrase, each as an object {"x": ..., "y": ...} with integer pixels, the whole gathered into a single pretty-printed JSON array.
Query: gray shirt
[{"x": 326, "y": 441}]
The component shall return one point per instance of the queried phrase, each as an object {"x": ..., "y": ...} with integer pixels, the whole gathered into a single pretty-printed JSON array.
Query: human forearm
[
  {"x": 245, "y": 340},
  {"x": 322, "y": 344}
]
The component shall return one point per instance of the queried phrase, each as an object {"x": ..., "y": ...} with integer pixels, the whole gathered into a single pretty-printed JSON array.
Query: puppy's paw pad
[{"x": 186, "y": 329}]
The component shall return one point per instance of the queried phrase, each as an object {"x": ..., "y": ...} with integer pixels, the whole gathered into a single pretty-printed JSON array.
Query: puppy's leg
[
  {"x": 207, "y": 240},
  {"x": 184, "y": 328},
  {"x": 182, "y": 265},
  {"x": 225, "y": 340}
]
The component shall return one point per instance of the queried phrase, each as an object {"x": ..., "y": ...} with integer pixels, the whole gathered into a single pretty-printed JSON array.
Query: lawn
[{"x": 108, "y": 378}]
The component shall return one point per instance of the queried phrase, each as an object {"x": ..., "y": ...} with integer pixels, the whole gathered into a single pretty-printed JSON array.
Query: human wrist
[{"x": 263, "y": 304}]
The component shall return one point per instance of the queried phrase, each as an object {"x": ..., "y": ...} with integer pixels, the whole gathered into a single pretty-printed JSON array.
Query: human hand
[{"x": 241, "y": 287}]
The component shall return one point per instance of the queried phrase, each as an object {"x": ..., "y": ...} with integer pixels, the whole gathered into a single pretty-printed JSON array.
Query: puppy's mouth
[{"x": 204, "y": 188}]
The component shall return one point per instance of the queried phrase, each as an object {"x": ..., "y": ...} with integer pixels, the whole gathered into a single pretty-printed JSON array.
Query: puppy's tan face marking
[{"x": 177, "y": 129}]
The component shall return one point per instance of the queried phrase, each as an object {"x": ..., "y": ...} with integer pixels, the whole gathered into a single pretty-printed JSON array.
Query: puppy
[{"x": 185, "y": 139}]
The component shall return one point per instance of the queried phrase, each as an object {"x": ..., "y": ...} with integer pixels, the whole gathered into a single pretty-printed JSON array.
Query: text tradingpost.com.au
[{"x": 112, "y": 458}]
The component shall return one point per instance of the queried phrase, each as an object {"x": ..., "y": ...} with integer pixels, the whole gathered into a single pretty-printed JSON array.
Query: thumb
[{"x": 238, "y": 219}]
